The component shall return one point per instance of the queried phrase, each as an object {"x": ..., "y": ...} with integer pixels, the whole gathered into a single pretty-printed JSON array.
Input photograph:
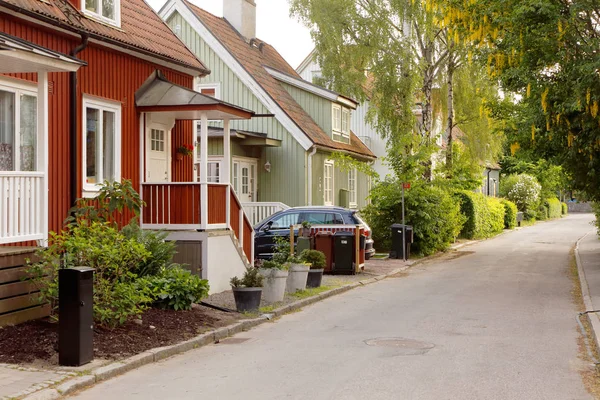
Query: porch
[
  {"x": 24, "y": 137},
  {"x": 188, "y": 208}
]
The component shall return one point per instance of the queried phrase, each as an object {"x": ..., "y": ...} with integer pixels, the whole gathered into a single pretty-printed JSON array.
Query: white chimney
[{"x": 242, "y": 15}]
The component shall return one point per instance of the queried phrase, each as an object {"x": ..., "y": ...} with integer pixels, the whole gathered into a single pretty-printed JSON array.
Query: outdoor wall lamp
[{"x": 268, "y": 166}]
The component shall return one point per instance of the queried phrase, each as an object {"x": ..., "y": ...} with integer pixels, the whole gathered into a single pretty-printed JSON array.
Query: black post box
[
  {"x": 75, "y": 316},
  {"x": 343, "y": 253},
  {"x": 399, "y": 250}
]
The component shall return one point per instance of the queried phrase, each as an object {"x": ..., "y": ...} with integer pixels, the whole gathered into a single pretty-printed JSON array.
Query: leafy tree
[{"x": 546, "y": 52}]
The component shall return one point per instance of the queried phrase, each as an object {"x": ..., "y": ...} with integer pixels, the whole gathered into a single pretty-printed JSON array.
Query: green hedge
[
  {"x": 485, "y": 215},
  {"x": 510, "y": 214},
  {"x": 542, "y": 213},
  {"x": 565, "y": 208},
  {"x": 554, "y": 208},
  {"x": 432, "y": 211}
]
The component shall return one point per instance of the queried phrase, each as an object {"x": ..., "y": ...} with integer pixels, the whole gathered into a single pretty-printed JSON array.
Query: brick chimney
[{"x": 242, "y": 15}]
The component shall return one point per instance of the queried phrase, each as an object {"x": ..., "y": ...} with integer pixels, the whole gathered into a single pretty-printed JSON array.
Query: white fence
[
  {"x": 259, "y": 211},
  {"x": 21, "y": 206}
]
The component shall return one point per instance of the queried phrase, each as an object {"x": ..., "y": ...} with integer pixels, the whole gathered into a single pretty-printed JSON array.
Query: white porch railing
[
  {"x": 259, "y": 211},
  {"x": 21, "y": 206}
]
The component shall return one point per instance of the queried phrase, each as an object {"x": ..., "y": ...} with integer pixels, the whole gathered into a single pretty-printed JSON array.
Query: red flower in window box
[{"x": 186, "y": 150}]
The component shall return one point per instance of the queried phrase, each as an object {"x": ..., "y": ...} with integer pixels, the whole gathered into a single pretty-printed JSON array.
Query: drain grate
[{"x": 407, "y": 347}]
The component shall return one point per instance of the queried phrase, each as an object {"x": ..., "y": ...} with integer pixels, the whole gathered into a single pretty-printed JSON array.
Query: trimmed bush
[
  {"x": 432, "y": 211},
  {"x": 484, "y": 215},
  {"x": 554, "y": 208},
  {"x": 174, "y": 288},
  {"x": 523, "y": 190},
  {"x": 510, "y": 214},
  {"x": 542, "y": 213},
  {"x": 565, "y": 208}
]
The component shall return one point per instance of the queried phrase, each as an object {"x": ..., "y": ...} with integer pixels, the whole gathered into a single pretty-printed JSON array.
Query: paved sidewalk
[
  {"x": 17, "y": 381},
  {"x": 589, "y": 253}
]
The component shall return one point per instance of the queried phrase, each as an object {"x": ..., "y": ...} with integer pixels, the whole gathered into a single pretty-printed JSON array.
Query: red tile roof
[
  {"x": 254, "y": 59},
  {"x": 141, "y": 28}
]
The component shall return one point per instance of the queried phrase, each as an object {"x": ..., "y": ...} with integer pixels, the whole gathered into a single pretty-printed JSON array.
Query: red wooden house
[{"x": 95, "y": 90}]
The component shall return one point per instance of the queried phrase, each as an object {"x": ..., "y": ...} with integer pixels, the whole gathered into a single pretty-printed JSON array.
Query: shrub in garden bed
[
  {"x": 542, "y": 213},
  {"x": 484, "y": 215},
  {"x": 523, "y": 190},
  {"x": 554, "y": 208},
  {"x": 510, "y": 214},
  {"x": 564, "y": 208},
  {"x": 431, "y": 210},
  {"x": 92, "y": 238}
]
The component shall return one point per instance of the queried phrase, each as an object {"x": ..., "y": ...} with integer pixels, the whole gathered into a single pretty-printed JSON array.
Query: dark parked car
[{"x": 279, "y": 223}]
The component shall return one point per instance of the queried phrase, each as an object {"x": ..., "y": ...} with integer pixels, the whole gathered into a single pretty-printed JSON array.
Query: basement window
[{"x": 108, "y": 11}]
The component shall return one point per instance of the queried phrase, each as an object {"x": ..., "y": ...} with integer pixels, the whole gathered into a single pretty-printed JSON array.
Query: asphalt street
[{"x": 495, "y": 320}]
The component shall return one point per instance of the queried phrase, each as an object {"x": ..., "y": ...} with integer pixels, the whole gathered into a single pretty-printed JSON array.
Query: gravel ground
[{"x": 374, "y": 267}]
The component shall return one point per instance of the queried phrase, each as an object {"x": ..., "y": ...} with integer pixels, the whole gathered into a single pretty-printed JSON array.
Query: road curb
[
  {"x": 121, "y": 367},
  {"x": 585, "y": 293}
]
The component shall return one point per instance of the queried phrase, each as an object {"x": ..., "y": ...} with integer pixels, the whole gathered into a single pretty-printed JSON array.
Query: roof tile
[{"x": 140, "y": 27}]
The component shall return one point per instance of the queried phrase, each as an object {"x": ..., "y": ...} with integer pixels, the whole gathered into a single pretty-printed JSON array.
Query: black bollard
[{"x": 75, "y": 316}]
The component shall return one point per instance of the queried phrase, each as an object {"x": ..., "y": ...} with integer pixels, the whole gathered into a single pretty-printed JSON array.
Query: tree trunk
[
  {"x": 428, "y": 117},
  {"x": 450, "y": 122}
]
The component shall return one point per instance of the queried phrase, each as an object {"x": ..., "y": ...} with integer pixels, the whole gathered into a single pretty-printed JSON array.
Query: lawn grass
[{"x": 304, "y": 294}]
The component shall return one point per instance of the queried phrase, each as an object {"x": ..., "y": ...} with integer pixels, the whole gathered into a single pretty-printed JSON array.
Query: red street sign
[{"x": 406, "y": 185}]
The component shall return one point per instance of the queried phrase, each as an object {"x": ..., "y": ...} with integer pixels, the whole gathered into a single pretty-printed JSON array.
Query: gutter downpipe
[
  {"x": 488, "y": 181},
  {"x": 73, "y": 142},
  {"x": 309, "y": 172}
]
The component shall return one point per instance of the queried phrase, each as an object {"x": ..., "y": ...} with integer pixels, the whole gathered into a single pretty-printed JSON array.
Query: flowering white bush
[{"x": 523, "y": 190}]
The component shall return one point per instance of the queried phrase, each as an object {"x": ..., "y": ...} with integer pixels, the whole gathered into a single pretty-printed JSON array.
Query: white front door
[
  {"x": 244, "y": 179},
  {"x": 158, "y": 157}
]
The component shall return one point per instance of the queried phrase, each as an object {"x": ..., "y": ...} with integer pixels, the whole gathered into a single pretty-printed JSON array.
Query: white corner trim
[
  {"x": 312, "y": 88},
  {"x": 178, "y": 6}
]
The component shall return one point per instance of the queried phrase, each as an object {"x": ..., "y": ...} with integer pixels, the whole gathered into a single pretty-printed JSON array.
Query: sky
[{"x": 274, "y": 26}]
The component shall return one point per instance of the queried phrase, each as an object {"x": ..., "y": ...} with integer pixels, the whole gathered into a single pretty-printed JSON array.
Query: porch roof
[
  {"x": 159, "y": 95},
  {"x": 247, "y": 138},
  {"x": 20, "y": 56}
]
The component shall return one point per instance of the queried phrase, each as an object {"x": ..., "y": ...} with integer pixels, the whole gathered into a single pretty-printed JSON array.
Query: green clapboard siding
[
  {"x": 287, "y": 180},
  {"x": 340, "y": 179},
  {"x": 318, "y": 108}
]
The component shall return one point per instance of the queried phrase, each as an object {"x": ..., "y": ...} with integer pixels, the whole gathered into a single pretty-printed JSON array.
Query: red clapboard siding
[{"x": 110, "y": 75}]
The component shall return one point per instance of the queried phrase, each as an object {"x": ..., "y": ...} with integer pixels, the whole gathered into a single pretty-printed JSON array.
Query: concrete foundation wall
[{"x": 223, "y": 262}]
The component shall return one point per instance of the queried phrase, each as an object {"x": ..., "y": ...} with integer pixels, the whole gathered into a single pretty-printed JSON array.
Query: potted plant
[
  {"x": 298, "y": 274},
  {"x": 247, "y": 291},
  {"x": 317, "y": 262},
  {"x": 305, "y": 230},
  {"x": 185, "y": 150},
  {"x": 275, "y": 277}
]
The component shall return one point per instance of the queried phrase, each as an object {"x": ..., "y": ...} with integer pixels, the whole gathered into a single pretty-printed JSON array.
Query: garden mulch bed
[{"x": 36, "y": 342}]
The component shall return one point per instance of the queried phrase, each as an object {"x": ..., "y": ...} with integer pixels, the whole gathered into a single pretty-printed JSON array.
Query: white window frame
[
  {"x": 216, "y": 86},
  {"x": 91, "y": 189},
  {"x": 18, "y": 89},
  {"x": 328, "y": 190},
  {"x": 98, "y": 13},
  {"x": 352, "y": 187},
  {"x": 340, "y": 114},
  {"x": 211, "y": 160}
]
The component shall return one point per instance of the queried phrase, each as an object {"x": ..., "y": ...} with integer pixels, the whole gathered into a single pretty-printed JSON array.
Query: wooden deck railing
[
  {"x": 22, "y": 210},
  {"x": 178, "y": 206},
  {"x": 259, "y": 211}
]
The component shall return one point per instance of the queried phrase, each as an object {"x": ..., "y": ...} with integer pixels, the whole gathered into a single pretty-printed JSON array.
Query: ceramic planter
[
  {"x": 315, "y": 276},
  {"x": 247, "y": 299},
  {"x": 274, "y": 284},
  {"x": 297, "y": 277}
]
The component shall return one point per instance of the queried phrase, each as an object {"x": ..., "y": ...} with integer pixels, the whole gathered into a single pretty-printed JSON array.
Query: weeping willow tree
[
  {"x": 547, "y": 53},
  {"x": 389, "y": 52}
]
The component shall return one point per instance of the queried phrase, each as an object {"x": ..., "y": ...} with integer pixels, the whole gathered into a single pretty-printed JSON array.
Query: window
[
  {"x": 18, "y": 129},
  {"x": 328, "y": 183},
  {"x": 284, "y": 221},
  {"x": 102, "y": 142},
  {"x": 316, "y": 218},
  {"x": 210, "y": 89},
  {"x": 340, "y": 124},
  {"x": 352, "y": 188},
  {"x": 157, "y": 140},
  {"x": 108, "y": 11},
  {"x": 213, "y": 172}
]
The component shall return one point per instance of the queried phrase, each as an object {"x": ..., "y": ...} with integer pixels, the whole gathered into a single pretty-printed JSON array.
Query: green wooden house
[{"x": 283, "y": 159}]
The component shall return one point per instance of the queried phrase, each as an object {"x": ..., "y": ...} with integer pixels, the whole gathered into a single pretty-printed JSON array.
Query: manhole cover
[{"x": 404, "y": 346}]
